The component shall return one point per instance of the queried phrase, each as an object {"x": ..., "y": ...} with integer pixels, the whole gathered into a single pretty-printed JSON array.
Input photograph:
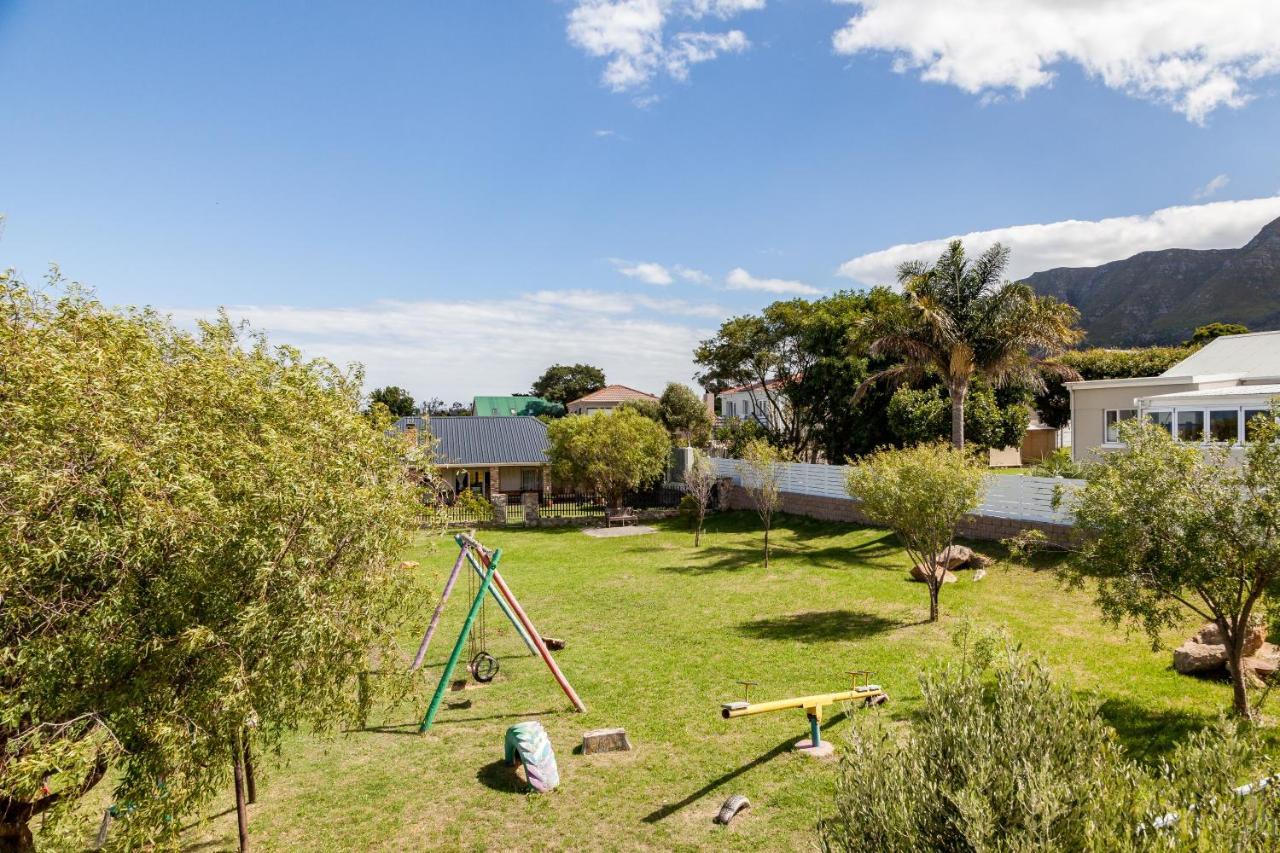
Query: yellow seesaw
[{"x": 813, "y": 706}]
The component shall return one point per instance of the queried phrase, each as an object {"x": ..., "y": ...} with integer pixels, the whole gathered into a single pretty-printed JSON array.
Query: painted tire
[
  {"x": 528, "y": 743},
  {"x": 483, "y": 667}
]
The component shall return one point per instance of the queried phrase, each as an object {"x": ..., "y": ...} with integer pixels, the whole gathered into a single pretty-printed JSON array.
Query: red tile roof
[{"x": 613, "y": 394}]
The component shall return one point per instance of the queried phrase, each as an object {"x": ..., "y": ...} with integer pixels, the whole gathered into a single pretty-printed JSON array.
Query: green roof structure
[{"x": 508, "y": 406}]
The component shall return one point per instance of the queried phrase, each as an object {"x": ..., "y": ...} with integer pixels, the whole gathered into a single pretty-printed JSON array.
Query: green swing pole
[
  {"x": 502, "y": 603},
  {"x": 457, "y": 647}
]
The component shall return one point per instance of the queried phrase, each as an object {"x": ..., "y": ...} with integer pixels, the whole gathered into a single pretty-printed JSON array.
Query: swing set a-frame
[{"x": 485, "y": 565}]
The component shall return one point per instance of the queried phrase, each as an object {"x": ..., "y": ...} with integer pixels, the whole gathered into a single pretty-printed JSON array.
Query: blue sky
[{"x": 458, "y": 194}]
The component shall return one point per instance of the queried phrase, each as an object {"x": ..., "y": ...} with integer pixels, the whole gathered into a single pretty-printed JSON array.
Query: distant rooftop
[
  {"x": 509, "y": 404},
  {"x": 1254, "y": 354},
  {"x": 483, "y": 439},
  {"x": 614, "y": 394}
]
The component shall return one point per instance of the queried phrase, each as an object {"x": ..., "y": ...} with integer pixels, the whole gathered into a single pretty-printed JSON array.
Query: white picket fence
[{"x": 1007, "y": 496}]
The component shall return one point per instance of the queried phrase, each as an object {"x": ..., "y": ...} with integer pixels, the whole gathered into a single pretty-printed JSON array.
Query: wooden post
[
  {"x": 242, "y": 815},
  {"x": 435, "y": 617}
]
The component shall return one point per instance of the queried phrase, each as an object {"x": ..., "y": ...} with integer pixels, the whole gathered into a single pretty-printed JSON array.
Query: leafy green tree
[
  {"x": 1001, "y": 757},
  {"x": 398, "y": 401},
  {"x": 564, "y": 383},
  {"x": 923, "y": 414},
  {"x": 199, "y": 538},
  {"x": 805, "y": 360},
  {"x": 644, "y": 407},
  {"x": 1171, "y": 528},
  {"x": 920, "y": 493},
  {"x": 684, "y": 415},
  {"x": 613, "y": 452},
  {"x": 1203, "y": 334},
  {"x": 959, "y": 323},
  {"x": 760, "y": 470},
  {"x": 1053, "y": 401},
  {"x": 737, "y": 433}
]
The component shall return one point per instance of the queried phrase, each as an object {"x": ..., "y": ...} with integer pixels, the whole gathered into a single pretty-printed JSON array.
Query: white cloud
[
  {"x": 691, "y": 275},
  {"x": 605, "y": 134},
  {"x": 1082, "y": 243},
  {"x": 649, "y": 273},
  {"x": 1194, "y": 55},
  {"x": 1211, "y": 188},
  {"x": 740, "y": 279},
  {"x": 456, "y": 349},
  {"x": 632, "y": 35}
]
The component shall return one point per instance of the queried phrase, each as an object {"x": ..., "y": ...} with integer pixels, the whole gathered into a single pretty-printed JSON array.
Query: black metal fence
[
  {"x": 469, "y": 512},
  {"x": 571, "y": 505},
  {"x": 662, "y": 496}
]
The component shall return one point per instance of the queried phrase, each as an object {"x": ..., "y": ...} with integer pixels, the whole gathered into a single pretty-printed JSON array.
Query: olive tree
[
  {"x": 760, "y": 470},
  {"x": 920, "y": 493},
  {"x": 199, "y": 537},
  {"x": 699, "y": 481},
  {"x": 611, "y": 452},
  {"x": 1171, "y": 528},
  {"x": 1001, "y": 757}
]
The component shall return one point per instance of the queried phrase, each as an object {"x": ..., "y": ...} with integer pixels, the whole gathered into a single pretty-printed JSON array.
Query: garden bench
[{"x": 622, "y": 515}]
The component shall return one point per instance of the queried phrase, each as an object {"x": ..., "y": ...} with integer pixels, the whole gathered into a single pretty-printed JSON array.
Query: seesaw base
[{"x": 825, "y": 749}]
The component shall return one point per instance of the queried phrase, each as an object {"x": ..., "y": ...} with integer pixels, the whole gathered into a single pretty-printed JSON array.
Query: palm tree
[{"x": 959, "y": 321}]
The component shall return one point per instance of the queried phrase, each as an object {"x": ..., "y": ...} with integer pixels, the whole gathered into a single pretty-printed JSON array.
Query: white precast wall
[{"x": 1007, "y": 496}]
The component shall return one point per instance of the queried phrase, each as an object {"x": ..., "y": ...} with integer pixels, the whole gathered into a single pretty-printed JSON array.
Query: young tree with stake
[
  {"x": 699, "y": 481},
  {"x": 761, "y": 472},
  {"x": 920, "y": 493}
]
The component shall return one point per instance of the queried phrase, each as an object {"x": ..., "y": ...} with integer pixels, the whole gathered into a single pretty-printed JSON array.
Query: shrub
[
  {"x": 1059, "y": 464},
  {"x": 1003, "y": 758}
]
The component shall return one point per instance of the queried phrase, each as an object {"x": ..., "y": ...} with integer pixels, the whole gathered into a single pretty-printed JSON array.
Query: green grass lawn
[{"x": 658, "y": 632}]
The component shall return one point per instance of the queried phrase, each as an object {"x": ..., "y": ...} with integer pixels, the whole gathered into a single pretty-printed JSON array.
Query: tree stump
[{"x": 605, "y": 740}]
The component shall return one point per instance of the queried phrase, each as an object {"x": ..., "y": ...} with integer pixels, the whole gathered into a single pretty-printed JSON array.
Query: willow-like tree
[
  {"x": 959, "y": 321},
  {"x": 199, "y": 537}
]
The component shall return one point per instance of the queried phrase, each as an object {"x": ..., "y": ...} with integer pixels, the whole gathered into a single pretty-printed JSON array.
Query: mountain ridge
[{"x": 1161, "y": 296}]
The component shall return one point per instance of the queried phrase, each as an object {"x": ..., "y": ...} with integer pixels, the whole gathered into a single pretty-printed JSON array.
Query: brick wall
[{"x": 845, "y": 509}]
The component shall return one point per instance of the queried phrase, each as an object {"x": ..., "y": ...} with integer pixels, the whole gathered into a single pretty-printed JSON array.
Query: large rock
[
  {"x": 955, "y": 556},
  {"x": 918, "y": 573},
  {"x": 1263, "y": 663},
  {"x": 1206, "y": 650}
]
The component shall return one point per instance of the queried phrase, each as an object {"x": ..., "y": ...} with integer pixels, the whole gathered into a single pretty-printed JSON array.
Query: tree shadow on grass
[
  {"x": 819, "y": 625},
  {"x": 1149, "y": 734},
  {"x": 787, "y": 745},
  {"x": 719, "y": 558}
]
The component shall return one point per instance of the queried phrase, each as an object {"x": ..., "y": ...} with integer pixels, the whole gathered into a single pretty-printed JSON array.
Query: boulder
[
  {"x": 1206, "y": 651},
  {"x": 918, "y": 573},
  {"x": 1263, "y": 663},
  {"x": 408, "y": 565},
  {"x": 1198, "y": 657},
  {"x": 980, "y": 561},
  {"x": 955, "y": 556}
]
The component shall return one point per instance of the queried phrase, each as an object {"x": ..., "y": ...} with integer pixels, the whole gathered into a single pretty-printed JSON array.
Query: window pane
[
  {"x": 1224, "y": 425},
  {"x": 1249, "y": 415},
  {"x": 1191, "y": 425},
  {"x": 1164, "y": 420},
  {"x": 1114, "y": 418}
]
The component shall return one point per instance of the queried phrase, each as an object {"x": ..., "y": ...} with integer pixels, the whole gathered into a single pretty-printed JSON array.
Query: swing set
[{"x": 482, "y": 665}]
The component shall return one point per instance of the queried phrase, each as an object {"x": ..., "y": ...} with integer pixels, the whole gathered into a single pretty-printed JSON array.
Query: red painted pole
[{"x": 531, "y": 631}]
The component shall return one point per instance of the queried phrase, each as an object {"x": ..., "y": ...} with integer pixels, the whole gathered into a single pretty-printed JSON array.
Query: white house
[
  {"x": 751, "y": 402},
  {"x": 1207, "y": 398}
]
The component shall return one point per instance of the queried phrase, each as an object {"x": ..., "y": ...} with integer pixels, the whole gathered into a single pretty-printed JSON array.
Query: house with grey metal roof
[
  {"x": 1208, "y": 398},
  {"x": 485, "y": 454}
]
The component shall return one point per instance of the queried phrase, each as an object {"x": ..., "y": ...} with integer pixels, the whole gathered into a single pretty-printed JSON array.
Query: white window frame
[
  {"x": 1106, "y": 441},
  {"x": 1205, "y": 411}
]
